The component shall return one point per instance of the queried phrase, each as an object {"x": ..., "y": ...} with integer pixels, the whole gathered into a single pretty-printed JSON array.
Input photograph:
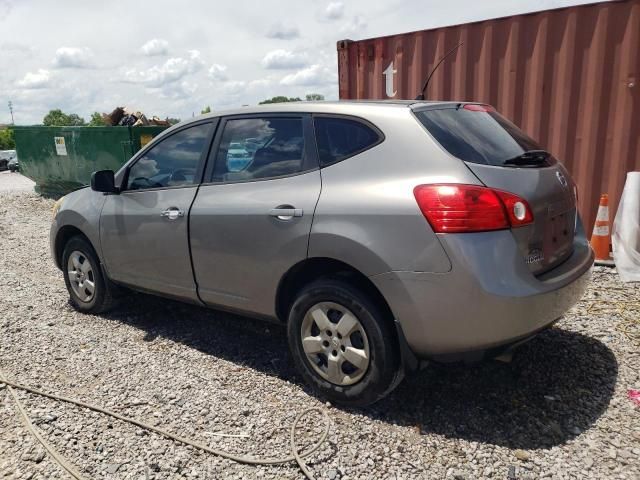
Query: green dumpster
[{"x": 61, "y": 159}]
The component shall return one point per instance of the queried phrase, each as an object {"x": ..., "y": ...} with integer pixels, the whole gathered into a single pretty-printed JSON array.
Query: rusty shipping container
[{"x": 568, "y": 77}]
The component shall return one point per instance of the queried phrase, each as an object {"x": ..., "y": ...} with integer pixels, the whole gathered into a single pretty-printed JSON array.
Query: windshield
[{"x": 479, "y": 134}]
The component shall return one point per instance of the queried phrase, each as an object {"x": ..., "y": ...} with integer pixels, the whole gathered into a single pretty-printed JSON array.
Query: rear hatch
[{"x": 505, "y": 158}]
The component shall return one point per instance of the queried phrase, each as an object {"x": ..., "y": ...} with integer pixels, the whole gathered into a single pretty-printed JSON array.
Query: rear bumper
[{"x": 489, "y": 298}]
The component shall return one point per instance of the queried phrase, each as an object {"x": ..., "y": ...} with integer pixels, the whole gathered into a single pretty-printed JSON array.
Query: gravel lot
[
  {"x": 14, "y": 182},
  {"x": 559, "y": 410}
]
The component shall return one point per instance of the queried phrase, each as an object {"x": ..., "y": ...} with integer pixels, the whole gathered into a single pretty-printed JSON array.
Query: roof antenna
[{"x": 426, "y": 84}]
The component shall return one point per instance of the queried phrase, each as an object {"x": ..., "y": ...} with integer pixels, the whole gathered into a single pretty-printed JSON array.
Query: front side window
[
  {"x": 254, "y": 148},
  {"x": 340, "y": 138},
  {"x": 172, "y": 162}
]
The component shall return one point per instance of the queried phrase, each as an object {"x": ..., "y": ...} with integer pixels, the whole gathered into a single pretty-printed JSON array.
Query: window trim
[
  {"x": 310, "y": 161},
  {"x": 197, "y": 179},
  {"x": 339, "y": 116}
]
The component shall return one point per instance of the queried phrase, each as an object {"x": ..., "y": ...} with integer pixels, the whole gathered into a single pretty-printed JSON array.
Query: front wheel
[
  {"x": 89, "y": 289},
  {"x": 342, "y": 344}
]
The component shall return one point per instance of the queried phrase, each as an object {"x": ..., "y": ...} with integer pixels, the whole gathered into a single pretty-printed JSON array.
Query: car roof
[
  {"x": 321, "y": 106},
  {"x": 344, "y": 107}
]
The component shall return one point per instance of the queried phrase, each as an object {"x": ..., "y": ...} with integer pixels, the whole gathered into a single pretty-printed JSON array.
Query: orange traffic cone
[{"x": 601, "y": 238}]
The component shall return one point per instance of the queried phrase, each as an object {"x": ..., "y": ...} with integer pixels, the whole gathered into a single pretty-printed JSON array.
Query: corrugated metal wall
[{"x": 568, "y": 77}]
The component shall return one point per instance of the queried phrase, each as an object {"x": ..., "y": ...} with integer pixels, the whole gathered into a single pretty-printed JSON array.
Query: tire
[
  {"x": 76, "y": 252},
  {"x": 373, "y": 337}
]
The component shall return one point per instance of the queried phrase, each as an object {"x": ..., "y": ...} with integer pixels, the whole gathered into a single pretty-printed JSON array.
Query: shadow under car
[{"x": 557, "y": 385}]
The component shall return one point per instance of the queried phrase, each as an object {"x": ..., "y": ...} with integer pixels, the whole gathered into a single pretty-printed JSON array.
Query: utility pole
[{"x": 11, "y": 110}]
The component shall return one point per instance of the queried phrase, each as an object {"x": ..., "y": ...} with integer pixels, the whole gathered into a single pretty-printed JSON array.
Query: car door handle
[
  {"x": 172, "y": 213},
  {"x": 285, "y": 213}
]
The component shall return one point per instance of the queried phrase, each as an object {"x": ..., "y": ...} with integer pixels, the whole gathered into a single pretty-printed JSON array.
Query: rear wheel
[
  {"x": 89, "y": 289},
  {"x": 342, "y": 344}
]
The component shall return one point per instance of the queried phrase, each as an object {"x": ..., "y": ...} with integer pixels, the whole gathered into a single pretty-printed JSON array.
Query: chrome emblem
[{"x": 562, "y": 179}]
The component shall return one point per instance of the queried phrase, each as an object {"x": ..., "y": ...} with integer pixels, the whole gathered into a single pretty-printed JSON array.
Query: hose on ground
[{"x": 295, "y": 455}]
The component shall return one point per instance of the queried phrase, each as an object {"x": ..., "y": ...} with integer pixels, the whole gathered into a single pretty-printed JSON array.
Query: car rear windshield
[{"x": 478, "y": 134}]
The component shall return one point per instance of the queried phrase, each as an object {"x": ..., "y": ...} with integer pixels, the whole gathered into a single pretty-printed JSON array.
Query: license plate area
[{"x": 559, "y": 232}]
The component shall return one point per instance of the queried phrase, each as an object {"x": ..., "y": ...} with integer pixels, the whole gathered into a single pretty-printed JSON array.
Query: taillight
[
  {"x": 518, "y": 209},
  {"x": 454, "y": 208}
]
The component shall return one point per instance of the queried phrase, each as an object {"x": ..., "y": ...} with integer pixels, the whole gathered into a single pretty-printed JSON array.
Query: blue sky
[{"x": 171, "y": 58}]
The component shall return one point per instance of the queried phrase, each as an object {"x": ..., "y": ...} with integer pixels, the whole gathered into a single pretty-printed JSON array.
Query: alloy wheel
[
  {"x": 81, "y": 276},
  {"x": 335, "y": 343}
]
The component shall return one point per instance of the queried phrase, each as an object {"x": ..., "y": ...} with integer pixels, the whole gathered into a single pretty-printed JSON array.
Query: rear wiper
[{"x": 530, "y": 157}]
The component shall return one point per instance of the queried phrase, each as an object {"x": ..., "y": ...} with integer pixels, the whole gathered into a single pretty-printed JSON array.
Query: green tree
[
  {"x": 206, "y": 109},
  {"x": 314, "y": 97},
  {"x": 281, "y": 99},
  {"x": 76, "y": 120},
  {"x": 173, "y": 121},
  {"x": 57, "y": 118},
  {"x": 96, "y": 120},
  {"x": 6, "y": 139}
]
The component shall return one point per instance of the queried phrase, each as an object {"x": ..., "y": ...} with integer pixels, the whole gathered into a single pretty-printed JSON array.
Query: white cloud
[
  {"x": 178, "y": 91},
  {"x": 283, "y": 59},
  {"x": 17, "y": 48},
  {"x": 283, "y": 32},
  {"x": 73, "y": 57},
  {"x": 218, "y": 72},
  {"x": 334, "y": 11},
  {"x": 310, "y": 76},
  {"x": 356, "y": 26},
  {"x": 40, "y": 79},
  {"x": 155, "y": 47},
  {"x": 234, "y": 87},
  {"x": 195, "y": 57},
  {"x": 5, "y": 8},
  {"x": 172, "y": 70},
  {"x": 238, "y": 37},
  {"x": 261, "y": 83}
]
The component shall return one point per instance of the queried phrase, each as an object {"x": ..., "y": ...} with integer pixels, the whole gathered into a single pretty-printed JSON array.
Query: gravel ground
[
  {"x": 14, "y": 182},
  {"x": 559, "y": 410}
]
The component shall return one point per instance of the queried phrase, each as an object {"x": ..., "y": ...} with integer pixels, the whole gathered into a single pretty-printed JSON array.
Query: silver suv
[{"x": 381, "y": 233}]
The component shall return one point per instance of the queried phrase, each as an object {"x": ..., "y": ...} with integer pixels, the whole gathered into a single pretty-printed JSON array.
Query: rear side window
[
  {"x": 479, "y": 135},
  {"x": 340, "y": 138}
]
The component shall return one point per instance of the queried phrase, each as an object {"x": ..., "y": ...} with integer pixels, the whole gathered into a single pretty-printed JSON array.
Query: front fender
[{"x": 80, "y": 210}]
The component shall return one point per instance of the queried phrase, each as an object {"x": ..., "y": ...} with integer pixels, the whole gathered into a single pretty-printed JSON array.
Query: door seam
[
  {"x": 313, "y": 216},
  {"x": 193, "y": 270}
]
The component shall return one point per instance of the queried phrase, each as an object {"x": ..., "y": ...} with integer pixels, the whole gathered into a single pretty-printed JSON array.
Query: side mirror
[{"x": 103, "y": 181}]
